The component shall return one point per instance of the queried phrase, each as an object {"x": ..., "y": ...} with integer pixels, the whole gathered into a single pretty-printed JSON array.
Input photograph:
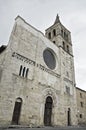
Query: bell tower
[{"x": 60, "y": 36}]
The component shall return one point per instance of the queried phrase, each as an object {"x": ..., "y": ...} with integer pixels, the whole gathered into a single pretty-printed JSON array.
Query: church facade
[{"x": 37, "y": 80}]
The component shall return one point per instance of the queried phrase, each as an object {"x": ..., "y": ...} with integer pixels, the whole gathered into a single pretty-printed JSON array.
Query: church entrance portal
[
  {"x": 17, "y": 110},
  {"x": 48, "y": 111}
]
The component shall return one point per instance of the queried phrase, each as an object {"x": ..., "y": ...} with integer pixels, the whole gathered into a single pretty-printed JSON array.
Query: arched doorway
[
  {"x": 69, "y": 116},
  {"x": 17, "y": 110},
  {"x": 48, "y": 111}
]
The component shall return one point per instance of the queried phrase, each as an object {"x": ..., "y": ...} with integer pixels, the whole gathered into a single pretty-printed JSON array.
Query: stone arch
[
  {"x": 19, "y": 99},
  {"x": 49, "y": 92}
]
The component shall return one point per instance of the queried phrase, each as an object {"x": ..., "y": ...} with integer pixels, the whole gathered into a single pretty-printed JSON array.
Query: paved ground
[{"x": 45, "y": 128}]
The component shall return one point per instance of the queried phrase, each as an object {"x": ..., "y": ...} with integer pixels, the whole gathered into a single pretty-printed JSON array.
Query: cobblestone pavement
[{"x": 45, "y": 128}]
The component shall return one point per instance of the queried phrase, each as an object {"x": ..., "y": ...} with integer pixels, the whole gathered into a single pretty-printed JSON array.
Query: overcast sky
[{"x": 41, "y": 14}]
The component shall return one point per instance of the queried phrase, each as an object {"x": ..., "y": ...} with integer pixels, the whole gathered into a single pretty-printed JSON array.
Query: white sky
[{"x": 41, "y": 14}]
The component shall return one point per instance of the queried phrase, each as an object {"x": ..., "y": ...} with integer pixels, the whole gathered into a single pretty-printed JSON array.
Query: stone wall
[{"x": 26, "y": 46}]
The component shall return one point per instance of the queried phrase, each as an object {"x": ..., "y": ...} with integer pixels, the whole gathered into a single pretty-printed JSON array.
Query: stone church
[{"x": 37, "y": 78}]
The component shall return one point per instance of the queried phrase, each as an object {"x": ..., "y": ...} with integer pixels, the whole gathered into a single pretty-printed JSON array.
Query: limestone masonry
[{"x": 37, "y": 78}]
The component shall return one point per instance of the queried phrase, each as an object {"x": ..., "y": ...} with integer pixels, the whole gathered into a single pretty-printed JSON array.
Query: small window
[
  {"x": 54, "y": 32},
  {"x": 63, "y": 45},
  {"x": 23, "y": 74},
  {"x": 67, "y": 48},
  {"x": 27, "y": 72},
  {"x": 49, "y": 35},
  {"x": 62, "y": 32},
  {"x": 20, "y": 72},
  {"x": 80, "y": 115},
  {"x": 80, "y": 95},
  {"x": 81, "y": 104}
]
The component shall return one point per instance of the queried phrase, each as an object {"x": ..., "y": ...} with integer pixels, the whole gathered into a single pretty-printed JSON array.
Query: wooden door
[
  {"x": 69, "y": 118},
  {"x": 17, "y": 110},
  {"x": 48, "y": 111}
]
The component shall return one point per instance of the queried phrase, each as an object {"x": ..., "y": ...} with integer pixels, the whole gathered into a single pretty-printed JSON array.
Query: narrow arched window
[
  {"x": 67, "y": 48},
  {"x": 49, "y": 35},
  {"x": 23, "y": 74},
  {"x": 67, "y": 37},
  {"x": 64, "y": 35},
  {"x": 62, "y": 32},
  {"x": 23, "y": 71},
  {"x": 20, "y": 71},
  {"x": 64, "y": 45},
  {"x": 27, "y": 73},
  {"x": 54, "y": 32},
  {"x": 80, "y": 95}
]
